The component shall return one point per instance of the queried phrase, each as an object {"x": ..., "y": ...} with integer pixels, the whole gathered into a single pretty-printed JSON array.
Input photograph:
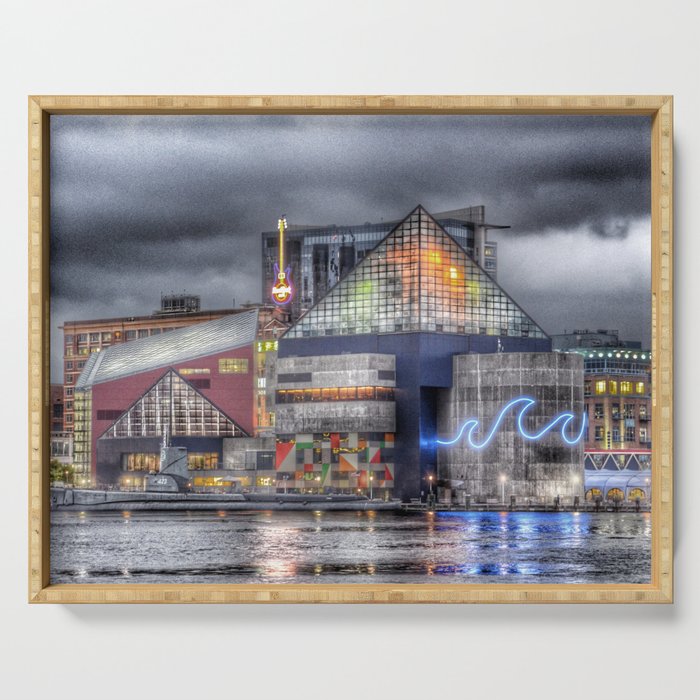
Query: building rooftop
[{"x": 170, "y": 348}]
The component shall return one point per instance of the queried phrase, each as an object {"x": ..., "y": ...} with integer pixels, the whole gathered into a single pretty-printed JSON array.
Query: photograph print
[{"x": 350, "y": 349}]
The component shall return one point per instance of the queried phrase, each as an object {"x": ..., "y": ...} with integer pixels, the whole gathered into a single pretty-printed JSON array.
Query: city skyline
[{"x": 148, "y": 205}]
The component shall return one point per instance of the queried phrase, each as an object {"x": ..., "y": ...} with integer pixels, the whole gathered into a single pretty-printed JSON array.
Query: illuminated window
[
  {"x": 140, "y": 462},
  {"x": 233, "y": 365},
  {"x": 599, "y": 433},
  {"x": 643, "y": 435},
  {"x": 69, "y": 352},
  {"x": 202, "y": 460},
  {"x": 106, "y": 337},
  {"x": 640, "y": 388},
  {"x": 600, "y": 387},
  {"x": 625, "y": 387},
  {"x": 599, "y": 411},
  {"x": 612, "y": 387},
  {"x": 194, "y": 370}
]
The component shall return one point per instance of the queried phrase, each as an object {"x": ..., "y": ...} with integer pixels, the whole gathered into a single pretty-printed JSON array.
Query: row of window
[
  {"x": 109, "y": 336},
  {"x": 612, "y": 386},
  {"x": 630, "y": 434},
  {"x": 347, "y": 393},
  {"x": 150, "y": 462},
  {"x": 628, "y": 411}
]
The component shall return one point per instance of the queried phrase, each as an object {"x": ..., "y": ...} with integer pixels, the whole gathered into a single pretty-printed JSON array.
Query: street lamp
[
  {"x": 318, "y": 484},
  {"x": 371, "y": 486},
  {"x": 430, "y": 481},
  {"x": 503, "y": 488}
]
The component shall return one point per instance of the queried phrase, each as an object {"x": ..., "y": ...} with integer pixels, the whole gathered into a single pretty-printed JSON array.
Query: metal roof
[{"x": 169, "y": 348}]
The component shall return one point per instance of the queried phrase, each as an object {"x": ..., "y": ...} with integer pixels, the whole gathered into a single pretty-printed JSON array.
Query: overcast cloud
[{"x": 144, "y": 205}]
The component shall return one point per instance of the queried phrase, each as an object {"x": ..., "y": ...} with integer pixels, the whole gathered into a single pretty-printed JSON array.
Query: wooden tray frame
[{"x": 660, "y": 590}]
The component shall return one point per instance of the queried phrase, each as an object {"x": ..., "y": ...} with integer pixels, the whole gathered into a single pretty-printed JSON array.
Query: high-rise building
[{"x": 319, "y": 256}]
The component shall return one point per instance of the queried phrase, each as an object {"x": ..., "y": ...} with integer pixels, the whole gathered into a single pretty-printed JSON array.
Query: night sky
[{"x": 147, "y": 205}]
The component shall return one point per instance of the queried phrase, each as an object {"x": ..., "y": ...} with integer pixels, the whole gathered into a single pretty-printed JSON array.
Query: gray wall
[
  {"x": 349, "y": 370},
  {"x": 482, "y": 386}
]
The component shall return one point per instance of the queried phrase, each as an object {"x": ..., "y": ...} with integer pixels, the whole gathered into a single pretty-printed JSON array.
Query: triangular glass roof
[
  {"x": 416, "y": 279},
  {"x": 173, "y": 404}
]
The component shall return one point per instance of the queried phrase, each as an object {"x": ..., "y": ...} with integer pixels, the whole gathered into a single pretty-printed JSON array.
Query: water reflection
[{"x": 328, "y": 547}]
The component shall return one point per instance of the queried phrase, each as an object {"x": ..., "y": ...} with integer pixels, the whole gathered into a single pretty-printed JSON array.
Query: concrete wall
[
  {"x": 351, "y": 370},
  {"x": 239, "y": 453},
  {"x": 538, "y": 469}
]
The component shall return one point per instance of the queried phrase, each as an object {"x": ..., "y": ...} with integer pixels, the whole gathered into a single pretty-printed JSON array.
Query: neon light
[
  {"x": 282, "y": 290},
  {"x": 563, "y": 419}
]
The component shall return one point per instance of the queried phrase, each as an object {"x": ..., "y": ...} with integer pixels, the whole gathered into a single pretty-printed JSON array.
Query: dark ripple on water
[{"x": 315, "y": 547}]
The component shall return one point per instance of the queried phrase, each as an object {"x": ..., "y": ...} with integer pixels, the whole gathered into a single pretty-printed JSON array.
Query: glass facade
[
  {"x": 176, "y": 405},
  {"x": 82, "y": 432},
  {"x": 417, "y": 279}
]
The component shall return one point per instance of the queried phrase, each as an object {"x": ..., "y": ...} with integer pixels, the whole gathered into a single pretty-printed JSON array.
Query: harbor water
[{"x": 350, "y": 547}]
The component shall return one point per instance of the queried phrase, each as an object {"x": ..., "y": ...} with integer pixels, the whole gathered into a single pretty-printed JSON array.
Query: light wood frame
[{"x": 660, "y": 590}]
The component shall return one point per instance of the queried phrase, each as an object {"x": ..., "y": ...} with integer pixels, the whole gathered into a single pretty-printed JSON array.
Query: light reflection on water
[{"x": 352, "y": 547}]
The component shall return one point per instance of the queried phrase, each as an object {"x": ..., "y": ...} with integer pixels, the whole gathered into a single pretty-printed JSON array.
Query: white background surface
[{"x": 495, "y": 47}]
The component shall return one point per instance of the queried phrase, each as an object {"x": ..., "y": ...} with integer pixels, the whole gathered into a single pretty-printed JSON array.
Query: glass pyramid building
[
  {"x": 174, "y": 406},
  {"x": 417, "y": 279}
]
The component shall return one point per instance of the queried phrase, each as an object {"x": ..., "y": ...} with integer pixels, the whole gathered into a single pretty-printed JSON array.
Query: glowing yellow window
[
  {"x": 233, "y": 365},
  {"x": 640, "y": 387},
  {"x": 613, "y": 387},
  {"x": 625, "y": 387},
  {"x": 600, "y": 387}
]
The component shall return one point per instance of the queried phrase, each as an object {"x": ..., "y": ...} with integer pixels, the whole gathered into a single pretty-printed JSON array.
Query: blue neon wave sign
[{"x": 563, "y": 421}]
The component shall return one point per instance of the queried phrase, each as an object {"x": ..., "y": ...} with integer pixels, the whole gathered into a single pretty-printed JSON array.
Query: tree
[{"x": 61, "y": 472}]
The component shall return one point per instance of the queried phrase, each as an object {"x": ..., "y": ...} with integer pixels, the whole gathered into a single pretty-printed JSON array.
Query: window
[
  {"x": 616, "y": 435},
  {"x": 82, "y": 337},
  {"x": 106, "y": 337},
  {"x": 615, "y": 411},
  {"x": 69, "y": 352},
  {"x": 69, "y": 391},
  {"x": 587, "y": 388},
  {"x": 69, "y": 379},
  {"x": 629, "y": 410},
  {"x": 69, "y": 418},
  {"x": 201, "y": 382},
  {"x": 598, "y": 411},
  {"x": 155, "y": 331},
  {"x": 629, "y": 434},
  {"x": 640, "y": 388},
  {"x": 81, "y": 364},
  {"x": 643, "y": 435},
  {"x": 194, "y": 370},
  {"x": 600, "y": 387},
  {"x": 69, "y": 405},
  {"x": 642, "y": 412},
  {"x": 202, "y": 460},
  {"x": 233, "y": 365},
  {"x": 612, "y": 387},
  {"x": 625, "y": 387},
  {"x": 69, "y": 340},
  {"x": 109, "y": 414},
  {"x": 130, "y": 335},
  {"x": 94, "y": 337},
  {"x": 599, "y": 433},
  {"x": 69, "y": 365},
  {"x": 143, "y": 333}
]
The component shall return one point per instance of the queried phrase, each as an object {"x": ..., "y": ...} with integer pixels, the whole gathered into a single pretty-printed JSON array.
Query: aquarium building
[{"x": 379, "y": 370}]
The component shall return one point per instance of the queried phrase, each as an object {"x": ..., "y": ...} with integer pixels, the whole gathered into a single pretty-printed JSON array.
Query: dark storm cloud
[{"x": 143, "y": 205}]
